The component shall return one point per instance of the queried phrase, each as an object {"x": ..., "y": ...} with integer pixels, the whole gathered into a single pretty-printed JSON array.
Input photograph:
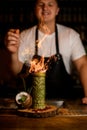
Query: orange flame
[{"x": 38, "y": 66}]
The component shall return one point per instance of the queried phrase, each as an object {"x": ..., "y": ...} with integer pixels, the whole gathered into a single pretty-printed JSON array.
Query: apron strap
[
  {"x": 36, "y": 42},
  {"x": 56, "y": 40}
]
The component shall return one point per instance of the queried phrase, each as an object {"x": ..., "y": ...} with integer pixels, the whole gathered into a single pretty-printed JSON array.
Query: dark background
[{"x": 19, "y": 14}]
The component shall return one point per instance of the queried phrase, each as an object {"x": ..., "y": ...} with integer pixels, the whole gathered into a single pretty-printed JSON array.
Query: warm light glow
[
  {"x": 39, "y": 43},
  {"x": 38, "y": 65}
]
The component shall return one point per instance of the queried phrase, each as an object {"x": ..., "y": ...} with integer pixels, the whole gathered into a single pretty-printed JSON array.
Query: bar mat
[
  {"x": 73, "y": 108},
  {"x": 7, "y": 103},
  {"x": 68, "y": 112},
  {"x": 7, "y": 106}
]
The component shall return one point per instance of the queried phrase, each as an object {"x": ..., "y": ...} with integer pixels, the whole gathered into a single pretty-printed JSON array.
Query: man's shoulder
[{"x": 65, "y": 28}]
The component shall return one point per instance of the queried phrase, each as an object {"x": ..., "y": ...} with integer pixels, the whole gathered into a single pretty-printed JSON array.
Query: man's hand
[
  {"x": 12, "y": 40},
  {"x": 84, "y": 100}
]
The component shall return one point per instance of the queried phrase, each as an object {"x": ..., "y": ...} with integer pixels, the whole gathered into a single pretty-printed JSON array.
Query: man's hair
[{"x": 57, "y": 1}]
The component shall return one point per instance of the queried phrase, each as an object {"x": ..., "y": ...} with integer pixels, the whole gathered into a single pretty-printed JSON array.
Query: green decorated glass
[{"x": 38, "y": 92}]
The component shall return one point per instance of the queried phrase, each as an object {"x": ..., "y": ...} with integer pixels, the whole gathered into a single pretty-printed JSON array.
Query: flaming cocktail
[{"x": 38, "y": 70}]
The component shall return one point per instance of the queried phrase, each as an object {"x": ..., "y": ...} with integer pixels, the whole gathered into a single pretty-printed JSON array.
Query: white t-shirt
[{"x": 70, "y": 45}]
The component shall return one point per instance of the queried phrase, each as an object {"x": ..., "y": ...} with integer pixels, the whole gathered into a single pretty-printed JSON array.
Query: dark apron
[{"x": 58, "y": 82}]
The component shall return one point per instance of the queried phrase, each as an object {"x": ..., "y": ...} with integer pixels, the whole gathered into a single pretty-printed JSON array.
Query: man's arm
[
  {"x": 12, "y": 44},
  {"x": 81, "y": 66}
]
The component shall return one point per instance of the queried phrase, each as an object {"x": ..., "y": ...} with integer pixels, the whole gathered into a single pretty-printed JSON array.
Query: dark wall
[
  {"x": 19, "y": 14},
  {"x": 15, "y": 14}
]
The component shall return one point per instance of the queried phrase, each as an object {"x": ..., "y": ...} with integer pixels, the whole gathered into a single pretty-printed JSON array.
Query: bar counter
[{"x": 72, "y": 115}]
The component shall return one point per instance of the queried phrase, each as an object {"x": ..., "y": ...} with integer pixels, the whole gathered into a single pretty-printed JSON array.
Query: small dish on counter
[{"x": 58, "y": 103}]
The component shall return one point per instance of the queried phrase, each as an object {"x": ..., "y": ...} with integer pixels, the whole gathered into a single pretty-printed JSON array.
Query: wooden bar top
[{"x": 71, "y": 116}]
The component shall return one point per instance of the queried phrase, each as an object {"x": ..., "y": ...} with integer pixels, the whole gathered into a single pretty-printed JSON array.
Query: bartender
[{"x": 61, "y": 44}]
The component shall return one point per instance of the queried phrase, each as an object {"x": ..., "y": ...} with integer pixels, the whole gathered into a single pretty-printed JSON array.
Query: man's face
[{"x": 46, "y": 10}]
